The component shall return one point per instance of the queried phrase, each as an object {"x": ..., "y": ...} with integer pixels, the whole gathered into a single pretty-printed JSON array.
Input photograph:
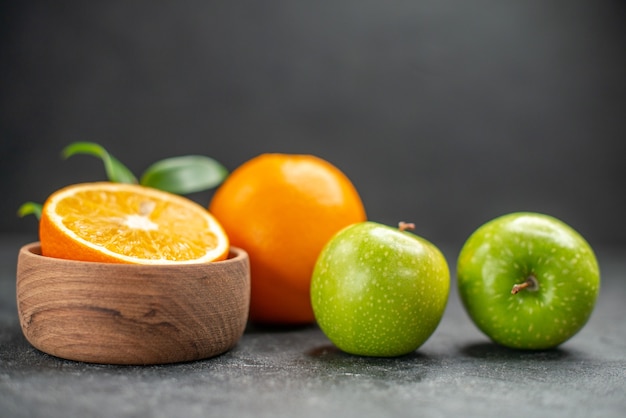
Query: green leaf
[
  {"x": 115, "y": 170},
  {"x": 184, "y": 175},
  {"x": 30, "y": 208}
]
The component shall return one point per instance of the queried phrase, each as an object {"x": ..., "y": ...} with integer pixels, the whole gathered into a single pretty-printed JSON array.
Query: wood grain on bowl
[{"x": 132, "y": 314}]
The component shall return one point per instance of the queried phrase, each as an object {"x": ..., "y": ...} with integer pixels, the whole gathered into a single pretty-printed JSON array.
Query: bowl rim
[{"x": 33, "y": 251}]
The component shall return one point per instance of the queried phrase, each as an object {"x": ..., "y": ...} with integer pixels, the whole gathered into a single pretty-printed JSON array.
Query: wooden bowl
[{"x": 132, "y": 314}]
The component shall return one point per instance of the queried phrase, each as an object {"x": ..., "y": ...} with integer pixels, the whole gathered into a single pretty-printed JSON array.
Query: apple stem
[
  {"x": 403, "y": 226},
  {"x": 531, "y": 284}
]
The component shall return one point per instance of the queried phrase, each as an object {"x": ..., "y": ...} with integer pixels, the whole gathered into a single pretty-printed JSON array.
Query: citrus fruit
[
  {"x": 282, "y": 209},
  {"x": 127, "y": 223}
]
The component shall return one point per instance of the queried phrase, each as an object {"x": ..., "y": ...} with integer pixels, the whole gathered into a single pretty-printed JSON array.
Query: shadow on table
[
  {"x": 256, "y": 328},
  {"x": 330, "y": 362},
  {"x": 329, "y": 352},
  {"x": 492, "y": 351}
]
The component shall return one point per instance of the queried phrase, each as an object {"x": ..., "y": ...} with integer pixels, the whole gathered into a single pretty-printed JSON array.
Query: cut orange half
[{"x": 127, "y": 223}]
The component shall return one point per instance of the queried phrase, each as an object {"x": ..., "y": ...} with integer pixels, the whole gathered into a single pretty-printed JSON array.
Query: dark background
[{"x": 446, "y": 113}]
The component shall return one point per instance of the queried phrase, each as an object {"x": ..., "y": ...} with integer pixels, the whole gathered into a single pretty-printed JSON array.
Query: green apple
[
  {"x": 379, "y": 291},
  {"x": 528, "y": 280}
]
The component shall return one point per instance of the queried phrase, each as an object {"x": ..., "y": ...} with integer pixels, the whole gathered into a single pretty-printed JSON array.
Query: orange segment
[{"x": 124, "y": 223}]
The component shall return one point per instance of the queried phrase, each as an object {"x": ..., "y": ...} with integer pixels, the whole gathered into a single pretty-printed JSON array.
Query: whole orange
[{"x": 282, "y": 209}]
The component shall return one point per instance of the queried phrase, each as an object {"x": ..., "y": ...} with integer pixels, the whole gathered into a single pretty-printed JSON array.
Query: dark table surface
[{"x": 296, "y": 372}]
